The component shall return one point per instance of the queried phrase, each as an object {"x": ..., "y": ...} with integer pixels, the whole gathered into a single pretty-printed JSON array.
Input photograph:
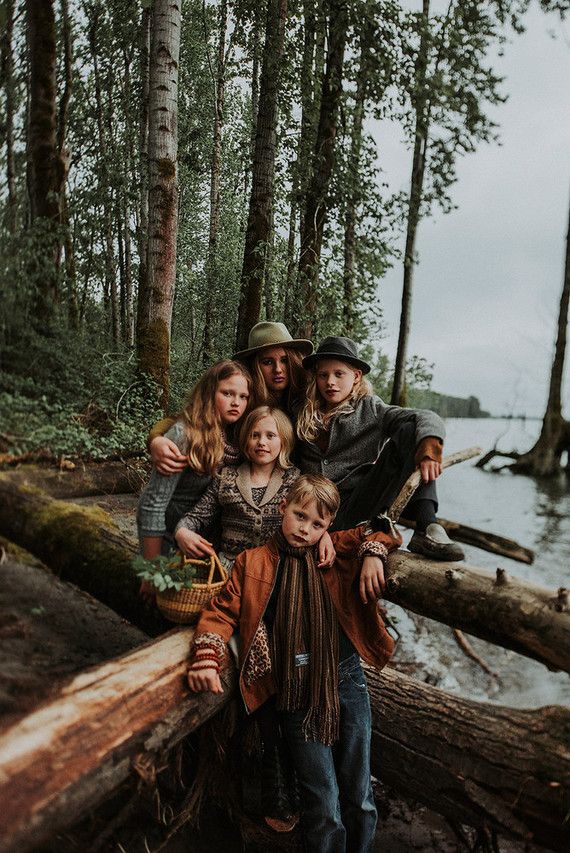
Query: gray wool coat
[{"x": 358, "y": 434}]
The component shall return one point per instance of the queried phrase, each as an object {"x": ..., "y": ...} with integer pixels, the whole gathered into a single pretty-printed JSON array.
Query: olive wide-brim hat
[
  {"x": 268, "y": 334},
  {"x": 341, "y": 349}
]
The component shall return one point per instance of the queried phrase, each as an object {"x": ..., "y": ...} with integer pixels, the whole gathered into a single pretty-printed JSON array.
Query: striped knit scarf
[{"x": 306, "y": 624}]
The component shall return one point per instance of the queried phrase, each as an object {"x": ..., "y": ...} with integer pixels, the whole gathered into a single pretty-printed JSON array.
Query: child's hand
[
  {"x": 327, "y": 553},
  {"x": 192, "y": 544},
  {"x": 429, "y": 470},
  {"x": 200, "y": 680},
  {"x": 372, "y": 581},
  {"x": 166, "y": 456}
]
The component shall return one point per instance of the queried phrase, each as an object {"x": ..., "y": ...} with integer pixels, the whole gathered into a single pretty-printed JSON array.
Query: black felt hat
[{"x": 343, "y": 349}]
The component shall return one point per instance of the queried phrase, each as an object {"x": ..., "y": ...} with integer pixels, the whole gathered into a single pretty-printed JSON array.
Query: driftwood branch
[
  {"x": 82, "y": 479},
  {"x": 482, "y": 539},
  {"x": 527, "y": 618},
  {"x": 414, "y": 480}
]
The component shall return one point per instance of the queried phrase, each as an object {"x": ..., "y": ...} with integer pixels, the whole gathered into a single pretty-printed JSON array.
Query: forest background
[{"x": 174, "y": 172}]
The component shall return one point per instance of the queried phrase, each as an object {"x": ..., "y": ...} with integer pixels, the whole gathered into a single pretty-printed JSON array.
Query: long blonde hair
[
  {"x": 202, "y": 422},
  {"x": 313, "y": 418},
  {"x": 284, "y": 430},
  {"x": 296, "y": 373}
]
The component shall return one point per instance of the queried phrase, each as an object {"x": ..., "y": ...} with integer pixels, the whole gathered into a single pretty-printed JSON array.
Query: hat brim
[
  {"x": 311, "y": 360},
  {"x": 304, "y": 346}
]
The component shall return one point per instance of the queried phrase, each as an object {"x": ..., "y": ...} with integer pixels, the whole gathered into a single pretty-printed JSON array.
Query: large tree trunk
[
  {"x": 422, "y": 109},
  {"x": 154, "y": 332},
  {"x": 473, "y": 762},
  {"x": 84, "y": 547},
  {"x": 544, "y": 458},
  {"x": 258, "y": 231},
  {"x": 46, "y": 172},
  {"x": 143, "y": 296},
  {"x": 212, "y": 282},
  {"x": 91, "y": 478},
  {"x": 479, "y": 764},
  {"x": 315, "y": 208}
]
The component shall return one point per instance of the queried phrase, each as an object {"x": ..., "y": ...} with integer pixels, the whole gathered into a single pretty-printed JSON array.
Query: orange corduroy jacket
[{"x": 242, "y": 603}]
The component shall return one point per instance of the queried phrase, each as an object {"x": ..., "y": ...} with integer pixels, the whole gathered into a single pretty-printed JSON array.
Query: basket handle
[{"x": 215, "y": 564}]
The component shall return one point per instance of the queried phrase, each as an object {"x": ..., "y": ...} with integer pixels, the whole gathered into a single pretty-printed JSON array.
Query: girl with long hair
[{"x": 204, "y": 434}]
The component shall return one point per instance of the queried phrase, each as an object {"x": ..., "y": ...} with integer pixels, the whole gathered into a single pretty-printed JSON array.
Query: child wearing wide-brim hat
[{"x": 369, "y": 448}]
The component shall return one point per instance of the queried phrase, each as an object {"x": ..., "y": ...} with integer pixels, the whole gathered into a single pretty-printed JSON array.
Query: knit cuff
[
  {"x": 212, "y": 644},
  {"x": 370, "y": 548}
]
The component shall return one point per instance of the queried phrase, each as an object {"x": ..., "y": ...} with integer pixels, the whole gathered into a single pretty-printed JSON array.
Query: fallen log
[
  {"x": 482, "y": 539},
  {"x": 478, "y": 764},
  {"x": 80, "y": 544},
  {"x": 107, "y": 723},
  {"x": 473, "y": 762},
  {"x": 83, "y": 546},
  {"x": 82, "y": 480},
  {"x": 49, "y": 630},
  {"x": 524, "y": 617}
]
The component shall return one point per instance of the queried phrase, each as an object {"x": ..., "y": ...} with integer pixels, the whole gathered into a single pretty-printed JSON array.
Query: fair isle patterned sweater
[{"x": 245, "y": 524}]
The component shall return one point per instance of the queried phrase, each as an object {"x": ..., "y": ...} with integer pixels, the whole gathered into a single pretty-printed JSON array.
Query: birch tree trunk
[
  {"x": 258, "y": 230},
  {"x": 154, "y": 332},
  {"x": 315, "y": 208},
  {"x": 8, "y": 69}
]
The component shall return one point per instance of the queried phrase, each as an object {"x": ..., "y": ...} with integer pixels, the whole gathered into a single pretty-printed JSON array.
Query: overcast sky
[{"x": 488, "y": 285}]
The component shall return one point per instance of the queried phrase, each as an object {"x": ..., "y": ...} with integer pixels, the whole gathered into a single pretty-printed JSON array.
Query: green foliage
[{"x": 165, "y": 572}]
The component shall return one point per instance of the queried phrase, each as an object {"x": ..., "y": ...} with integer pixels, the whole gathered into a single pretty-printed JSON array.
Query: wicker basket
[{"x": 184, "y": 605}]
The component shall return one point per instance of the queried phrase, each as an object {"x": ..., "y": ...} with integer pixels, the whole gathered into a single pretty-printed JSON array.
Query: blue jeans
[{"x": 338, "y": 814}]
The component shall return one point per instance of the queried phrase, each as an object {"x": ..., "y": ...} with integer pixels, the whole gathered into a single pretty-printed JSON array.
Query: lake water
[{"x": 534, "y": 512}]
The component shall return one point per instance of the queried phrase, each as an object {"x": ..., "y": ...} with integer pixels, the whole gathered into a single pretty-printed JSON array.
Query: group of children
[{"x": 302, "y": 600}]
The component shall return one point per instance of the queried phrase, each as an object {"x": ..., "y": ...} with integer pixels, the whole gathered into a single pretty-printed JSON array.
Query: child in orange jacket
[{"x": 302, "y": 632}]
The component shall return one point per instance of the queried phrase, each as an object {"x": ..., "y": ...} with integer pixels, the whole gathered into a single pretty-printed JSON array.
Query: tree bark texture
[
  {"x": 258, "y": 231},
  {"x": 215, "y": 170},
  {"x": 422, "y": 110},
  {"x": 95, "y": 478},
  {"x": 46, "y": 171},
  {"x": 154, "y": 332},
  {"x": 117, "y": 719},
  {"x": 142, "y": 229},
  {"x": 315, "y": 207},
  {"x": 529, "y": 619},
  {"x": 79, "y": 544},
  {"x": 8, "y": 74},
  {"x": 475, "y": 763}
]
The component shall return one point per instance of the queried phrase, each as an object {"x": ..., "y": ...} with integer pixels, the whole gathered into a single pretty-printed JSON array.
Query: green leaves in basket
[{"x": 165, "y": 572}]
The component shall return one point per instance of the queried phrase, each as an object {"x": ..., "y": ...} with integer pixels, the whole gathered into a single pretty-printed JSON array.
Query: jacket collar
[{"x": 243, "y": 483}]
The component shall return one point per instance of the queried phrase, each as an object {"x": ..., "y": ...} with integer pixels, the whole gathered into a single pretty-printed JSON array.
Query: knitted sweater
[
  {"x": 244, "y": 523},
  {"x": 167, "y": 497}
]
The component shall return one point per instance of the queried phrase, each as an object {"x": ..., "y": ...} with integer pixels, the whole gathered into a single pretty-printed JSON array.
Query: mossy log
[
  {"x": 474, "y": 763},
  {"x": 517, "y": 615},
  {"x": 478, "y": 764},
  {"x": 84, "y": 479},
  {"x": 80, "y": 544}
]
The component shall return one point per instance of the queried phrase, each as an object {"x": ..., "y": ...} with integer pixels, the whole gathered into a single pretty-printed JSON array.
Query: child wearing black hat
[{"x": 368, "y": 448}]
